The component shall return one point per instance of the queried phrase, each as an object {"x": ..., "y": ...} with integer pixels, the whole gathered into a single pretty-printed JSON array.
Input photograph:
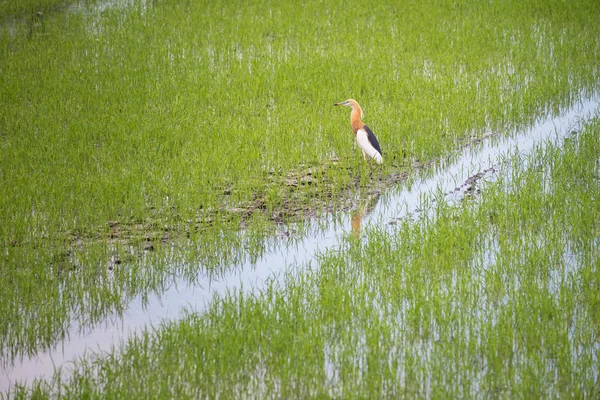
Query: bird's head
[{"x": 350, "y": 103}]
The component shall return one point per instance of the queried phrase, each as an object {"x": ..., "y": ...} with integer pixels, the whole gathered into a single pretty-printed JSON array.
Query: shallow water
[{"x": 453, "y": 180}]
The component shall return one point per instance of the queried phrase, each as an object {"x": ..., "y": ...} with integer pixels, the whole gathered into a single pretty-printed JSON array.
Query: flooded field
[{"x": 185, "y": 214}]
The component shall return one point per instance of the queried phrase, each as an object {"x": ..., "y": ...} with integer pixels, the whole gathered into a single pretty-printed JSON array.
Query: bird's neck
[{"x": 355, "y": 120}]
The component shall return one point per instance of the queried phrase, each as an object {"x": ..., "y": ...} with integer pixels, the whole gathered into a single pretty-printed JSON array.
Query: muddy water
[{"x": 454, "y": 180}]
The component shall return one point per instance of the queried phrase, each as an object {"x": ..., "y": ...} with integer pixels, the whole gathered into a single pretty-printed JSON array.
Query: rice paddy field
[{"x": 147, "y": 146}]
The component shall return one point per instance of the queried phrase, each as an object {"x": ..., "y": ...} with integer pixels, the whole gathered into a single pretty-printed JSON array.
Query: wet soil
[{"x": 308, "y": 194}]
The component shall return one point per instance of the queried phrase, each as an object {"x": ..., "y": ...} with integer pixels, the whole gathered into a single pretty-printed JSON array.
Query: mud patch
[{"x": 308, "y": 193}]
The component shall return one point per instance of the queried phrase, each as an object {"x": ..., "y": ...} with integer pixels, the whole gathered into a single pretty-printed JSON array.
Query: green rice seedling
[
  {"x": 135, "y": 107},
  {"x": 490, "y": 298},
  {"x": 34, "y": 10},
  {"x": 174, "y": 119}
]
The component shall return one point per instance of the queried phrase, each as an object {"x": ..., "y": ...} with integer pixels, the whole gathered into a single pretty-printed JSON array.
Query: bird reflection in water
[{"x": 364, "y": 207}]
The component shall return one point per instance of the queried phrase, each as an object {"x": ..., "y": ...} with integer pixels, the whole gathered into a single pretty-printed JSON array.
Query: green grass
[
  {"x": 34, "y": 10},
  {"x": 171, "y": 105},
  {"x": 176, "y": 118},
  {"x": 493, "y": 298}
]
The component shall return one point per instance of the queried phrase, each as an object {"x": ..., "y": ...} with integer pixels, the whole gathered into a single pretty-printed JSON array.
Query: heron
[{"x": 364, "y": 136}]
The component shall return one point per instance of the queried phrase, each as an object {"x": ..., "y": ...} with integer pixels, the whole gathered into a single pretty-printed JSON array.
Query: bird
[{"x": 364, "y": 135}]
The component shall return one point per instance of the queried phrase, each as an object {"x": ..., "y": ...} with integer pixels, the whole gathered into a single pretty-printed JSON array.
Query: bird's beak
[{"x": 339, "y": 104}]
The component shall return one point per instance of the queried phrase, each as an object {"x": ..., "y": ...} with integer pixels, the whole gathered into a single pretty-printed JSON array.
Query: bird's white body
[{"x": 362, "y": 138}]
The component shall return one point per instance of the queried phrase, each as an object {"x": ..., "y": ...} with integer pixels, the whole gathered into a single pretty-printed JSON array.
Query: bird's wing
[
  {"x": 368, "y": 146},
  {"x": 372, "y": 139}
]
